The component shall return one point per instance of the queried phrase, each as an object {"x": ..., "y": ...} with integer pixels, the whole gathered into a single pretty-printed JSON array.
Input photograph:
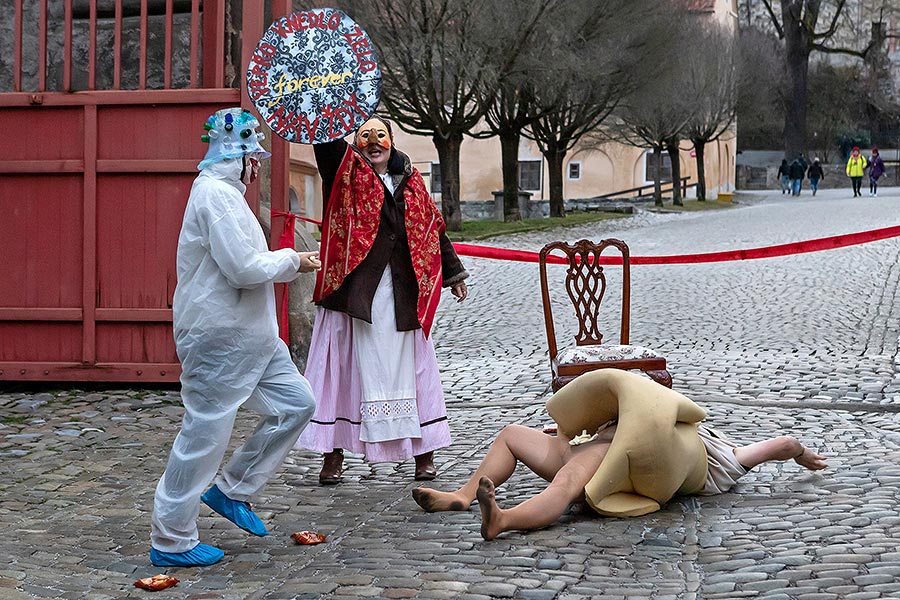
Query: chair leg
[{"x": 661, "y": 377}]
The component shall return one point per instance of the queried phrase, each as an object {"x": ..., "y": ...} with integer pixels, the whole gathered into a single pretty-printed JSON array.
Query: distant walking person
[
  {"x": 876, "y": 170},
  {"x": 796, "y": 172},
  {"x": 856, "y": 167},
  {"x": 785, "y": 175},
  {"x": 815, "y": 173}
]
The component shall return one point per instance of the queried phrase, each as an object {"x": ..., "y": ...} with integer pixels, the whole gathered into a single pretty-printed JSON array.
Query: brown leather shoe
[
  {"x": 425, "y": 470},
  {"x": 332, "y": 467}
]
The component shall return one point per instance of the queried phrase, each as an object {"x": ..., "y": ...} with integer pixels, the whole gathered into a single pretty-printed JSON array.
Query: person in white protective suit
[{"x": 226, "y": 336}]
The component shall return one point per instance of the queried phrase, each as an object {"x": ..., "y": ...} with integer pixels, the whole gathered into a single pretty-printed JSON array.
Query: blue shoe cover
[
  {"x": 235, "y": 511},
  {"x": 201, "y": 555}
]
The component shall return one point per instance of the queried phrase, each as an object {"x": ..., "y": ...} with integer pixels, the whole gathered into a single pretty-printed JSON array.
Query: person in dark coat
[
  {"x": 385, "y": 257},
  {"x": 784, "y": 174},
  {"x": 815, "y": 173},
  {"x": 796, "y": 172},
  {"x": 876, "y": 170}
]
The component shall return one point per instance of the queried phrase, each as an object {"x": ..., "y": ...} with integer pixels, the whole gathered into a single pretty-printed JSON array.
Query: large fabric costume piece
[
  {"x": 226, "y": 337},
  {"x": 385, "y": 258},
  {"x": 656, "y": 451}
]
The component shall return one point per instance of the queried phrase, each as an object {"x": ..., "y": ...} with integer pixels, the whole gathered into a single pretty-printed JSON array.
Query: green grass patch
[
  {"x": 693, "y": 205},
  {"x": 479, "y": 230},
  {"x": 11, "y": 420}
]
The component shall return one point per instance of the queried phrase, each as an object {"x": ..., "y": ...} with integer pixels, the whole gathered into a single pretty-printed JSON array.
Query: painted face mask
[
  {"x": 251, "y": 170},
  {"x": 375, "y": 132}
]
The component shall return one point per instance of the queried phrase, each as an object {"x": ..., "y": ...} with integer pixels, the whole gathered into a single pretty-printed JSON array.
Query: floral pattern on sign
[{"x": 313, "y": 76}]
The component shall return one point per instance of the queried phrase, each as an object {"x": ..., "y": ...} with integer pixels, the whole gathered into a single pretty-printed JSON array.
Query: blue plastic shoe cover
[
  {"x": 235, "y": 511},
  {"x": 200, "y": 555}
]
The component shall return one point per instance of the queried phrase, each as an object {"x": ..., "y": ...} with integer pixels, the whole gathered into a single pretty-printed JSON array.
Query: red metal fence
[{"x": 93, "y": 190}]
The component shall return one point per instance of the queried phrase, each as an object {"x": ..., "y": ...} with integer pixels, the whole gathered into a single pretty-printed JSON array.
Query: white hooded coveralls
[{"x": 226, "y": 336}]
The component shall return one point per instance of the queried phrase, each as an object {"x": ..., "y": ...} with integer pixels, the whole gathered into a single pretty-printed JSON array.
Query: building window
[
  {"x": 574, "y": 169},
  {"x": 435, "y": 178},
  {"x": 530, "y": 175},
  {"x": 665, "y": 173}
]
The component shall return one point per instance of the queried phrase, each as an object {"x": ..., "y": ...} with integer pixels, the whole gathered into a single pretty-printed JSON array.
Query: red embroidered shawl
[{"x": 350, "y": 224}]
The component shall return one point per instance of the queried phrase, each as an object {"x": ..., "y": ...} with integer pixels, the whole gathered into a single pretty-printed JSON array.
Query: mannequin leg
[
  {"x": 548, "y": 506},
  {"x": 780, "y": 448},
  {"x": 538, "y": 451}
]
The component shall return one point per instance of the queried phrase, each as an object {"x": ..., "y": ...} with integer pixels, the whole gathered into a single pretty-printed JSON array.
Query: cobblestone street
[{"x": 804, "y": 344}]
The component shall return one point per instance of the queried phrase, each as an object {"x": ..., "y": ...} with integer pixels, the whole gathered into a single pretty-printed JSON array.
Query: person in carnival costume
[
  {"x": 385, "y": 256},
  {"x": 226, "y": 336}
]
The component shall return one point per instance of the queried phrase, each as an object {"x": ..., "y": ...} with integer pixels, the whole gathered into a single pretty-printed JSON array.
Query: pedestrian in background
[
  {"x": 785, "y": 176},
  {"x": 796, "y": 172},
  {"x": 876, "y": 170},
  {"x": 815, "y": 173},
  {"x": 856, "y": 167}
]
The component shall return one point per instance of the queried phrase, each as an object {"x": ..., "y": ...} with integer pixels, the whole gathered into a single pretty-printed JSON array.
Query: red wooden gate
[{"x": 93, "y": 190}]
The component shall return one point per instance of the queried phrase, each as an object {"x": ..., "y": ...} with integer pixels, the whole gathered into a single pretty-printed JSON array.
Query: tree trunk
[
  {"x": 700, "y": 150},
  {"x": 797, "y": 63},
  {"x": 675, "y": 158},
  {"x": 555, "y": 158},
  {"x": 448, "y": 154},
  {"x": 657, "y": 176},
  {"x": 509, "y": 153}
]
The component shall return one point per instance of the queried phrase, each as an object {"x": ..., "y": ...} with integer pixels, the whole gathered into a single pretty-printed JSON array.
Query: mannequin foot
[
  {"x": 490, "y": 512},
  {"x": 810, "y": 460},
  {"x": 435, "y": 501}
]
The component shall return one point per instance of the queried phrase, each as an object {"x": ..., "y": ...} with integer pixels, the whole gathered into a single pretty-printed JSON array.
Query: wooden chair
[{"x": 586, "y": 286}]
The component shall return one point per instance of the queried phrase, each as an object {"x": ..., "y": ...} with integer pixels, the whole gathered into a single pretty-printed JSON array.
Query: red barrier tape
[{"x": 815, "y": 245}]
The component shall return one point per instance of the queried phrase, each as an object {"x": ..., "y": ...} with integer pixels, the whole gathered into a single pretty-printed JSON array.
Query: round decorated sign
[{"x": 313, "y": 76}]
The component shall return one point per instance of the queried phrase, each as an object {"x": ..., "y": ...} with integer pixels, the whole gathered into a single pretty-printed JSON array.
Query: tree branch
[
  {"x": 778, "y": 28},
  {"x": 832, "y": 27},
  {"x": 849, "y": 51}
]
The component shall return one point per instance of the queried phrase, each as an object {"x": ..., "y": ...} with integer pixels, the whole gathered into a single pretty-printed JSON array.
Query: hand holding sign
[{"x": 313, "y": 76}]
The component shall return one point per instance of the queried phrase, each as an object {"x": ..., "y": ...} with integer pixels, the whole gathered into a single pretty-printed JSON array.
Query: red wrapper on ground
[
  {"x": 308, "y": 537},
  {"x": 156, "y": 583}
]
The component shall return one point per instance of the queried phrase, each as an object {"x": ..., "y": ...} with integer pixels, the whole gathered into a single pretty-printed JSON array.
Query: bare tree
[
  {"x": 809, "y": 26},
  {"x": 512, "y": 107},
  {"x": 657, "y": 114},
  {"x": 710, "y": 85},
  {"x": 438, "y": 58},
  {"x": 596, "y": 60},
  {"x": 760, "y": 88}
]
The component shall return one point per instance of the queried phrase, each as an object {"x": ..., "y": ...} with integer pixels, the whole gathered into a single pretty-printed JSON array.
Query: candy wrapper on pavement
[
  {"x": 314, "y": 76},
  {"x": 308, "y": 538},
  {"x": 156, "y": 583}
]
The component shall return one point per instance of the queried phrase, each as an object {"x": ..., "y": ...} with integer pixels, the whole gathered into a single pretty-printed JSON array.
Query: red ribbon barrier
[
  {"x": 814, "y": 245},
  {"x": 286, "y": 240}
]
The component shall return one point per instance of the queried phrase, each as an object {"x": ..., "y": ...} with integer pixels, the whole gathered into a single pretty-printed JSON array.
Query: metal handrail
[{"x": 684, "y": 188}]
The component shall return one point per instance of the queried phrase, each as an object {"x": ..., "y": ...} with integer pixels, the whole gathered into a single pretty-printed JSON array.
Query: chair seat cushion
[{"x": 605, "y": 353}]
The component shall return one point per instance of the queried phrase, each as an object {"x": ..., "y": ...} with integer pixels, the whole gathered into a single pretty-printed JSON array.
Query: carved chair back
[{"x": 586, "y": 287}]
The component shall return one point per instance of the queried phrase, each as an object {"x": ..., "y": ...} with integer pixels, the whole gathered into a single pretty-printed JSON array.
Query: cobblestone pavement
[{"x": 804, "y": 343}]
